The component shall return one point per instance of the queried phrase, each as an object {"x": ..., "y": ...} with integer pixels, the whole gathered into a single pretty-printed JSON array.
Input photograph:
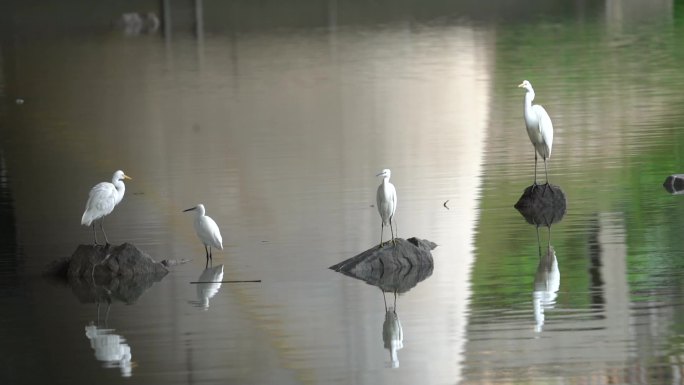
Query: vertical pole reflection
[{"x": 199, "y": 32}]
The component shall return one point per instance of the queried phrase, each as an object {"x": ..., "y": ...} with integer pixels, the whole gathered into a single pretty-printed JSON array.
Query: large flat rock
[
  {"x": 124, "y": 260},
  {"x": 109, "y": 273},
  {"x": 392, "y": 268}
]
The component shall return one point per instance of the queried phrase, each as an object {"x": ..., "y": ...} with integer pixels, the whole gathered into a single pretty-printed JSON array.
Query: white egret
[
  {"x": 207, "y": 230},
  {"x": 387, "y": 202},
  {"x": 539, "y": 128},
  {"x": 102, "y": 199}
]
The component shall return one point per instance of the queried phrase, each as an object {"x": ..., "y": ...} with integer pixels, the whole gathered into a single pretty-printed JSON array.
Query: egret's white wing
[
  {"x": 393, "y": 198},
  {"x": 101, "y": 201},
  {"x": 545, "y": 128},
  {"x": 384, "y": 204},
  {"x": 208, "y": 230}
]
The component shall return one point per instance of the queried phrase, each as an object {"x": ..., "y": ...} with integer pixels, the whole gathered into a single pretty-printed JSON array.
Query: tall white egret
[
  {"x": 207, "y": 230},
  {"x": 387, "y": 202},
  {"x": 102, "y": 199},
  {"x": 539, "y": 128}
]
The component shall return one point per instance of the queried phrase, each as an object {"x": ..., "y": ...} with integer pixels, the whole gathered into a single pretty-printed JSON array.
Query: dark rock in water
[
  {"x": 124, "y": 260},
  {"x": 674, "y": 184},
  {"x": 542, "y": 205},
  {"x": 107, "y": 273},
  {"x": 392, "y": 268}
]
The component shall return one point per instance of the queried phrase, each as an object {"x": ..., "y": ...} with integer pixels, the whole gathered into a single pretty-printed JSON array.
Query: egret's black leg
[
  {"x": 95, "y": 234},
  {"x": 206, "y": 250},
  {"x": 538, "y": 243},
  {"x": 103, "y": 232},
  {"x": 546, "y": 172},
  {"x": 535, "y": 167},
  {"x": 211, "y": 257},
  {"x": 392, "y": 230}
]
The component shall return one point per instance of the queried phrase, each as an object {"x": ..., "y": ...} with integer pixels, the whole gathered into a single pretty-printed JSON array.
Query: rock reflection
[
  {"x": 544, "y": 205},
  {"x": 110, "y": 348},
  {"x": 394, "y": 269},
  {"x": 208, "y": 284}
]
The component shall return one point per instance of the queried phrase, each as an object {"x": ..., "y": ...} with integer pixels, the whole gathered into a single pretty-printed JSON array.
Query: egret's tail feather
[{"x": 86, "y": 219}]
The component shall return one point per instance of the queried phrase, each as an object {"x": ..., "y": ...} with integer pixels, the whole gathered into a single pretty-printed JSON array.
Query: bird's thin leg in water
[
  {"x": 211, "y": 257},
  {"x": 384, "y": 299},
  {"x": 206, "y": 250},
  {"x": 382, "y": 228},
  {"x": 538, "y": 243},
  {"x": 95, "y": 234},
  {"x": 546, "y": 185},
  {"x": 392, "y": 230},
  {"x": 109, "y": 305},
  {"x": 103, "y": 232},
  {"x": 546, "y": 172},
  {"x": 535, "y": 167},
  {"x": 395, "y": 302}
]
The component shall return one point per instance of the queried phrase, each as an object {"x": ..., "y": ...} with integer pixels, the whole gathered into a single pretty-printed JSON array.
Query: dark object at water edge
[
  {"x": 674, "y": 184},
  {"x": 542, "y": 205},
  {"x": 102, "y": 274},
  {"x": 125, "y": 260}
]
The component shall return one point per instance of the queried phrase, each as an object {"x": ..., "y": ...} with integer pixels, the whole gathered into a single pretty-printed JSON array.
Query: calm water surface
[{"x": 277, "y": 119}]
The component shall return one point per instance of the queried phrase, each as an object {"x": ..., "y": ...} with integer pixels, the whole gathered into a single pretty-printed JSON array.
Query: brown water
[{"x": 277, "y": 118}]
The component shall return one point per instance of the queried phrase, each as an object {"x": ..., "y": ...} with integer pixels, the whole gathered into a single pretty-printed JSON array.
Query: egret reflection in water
[
  {"x": 546, "y": 282},
  {"x": 208, "y": 284},
  {"x": 392, "y": 332},
  {"x": 542, "y": 208},
  {"x": 110, "y": 348}
]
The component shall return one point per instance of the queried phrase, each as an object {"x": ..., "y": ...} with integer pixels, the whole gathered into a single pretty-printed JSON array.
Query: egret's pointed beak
[
  {"x": 379, "y": 174},
  {"x": 127, "y": 177},
  {"x": 521, "y": 85},
  {"x": 190, "y": 209}
]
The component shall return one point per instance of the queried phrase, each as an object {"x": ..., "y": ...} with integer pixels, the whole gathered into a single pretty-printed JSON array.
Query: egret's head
[
  {"x": 199, "y": 208},
  {"x": 119, "y": 175},
  {"x": 526, "y": 85},
  {"x": 386, "y": 173}
]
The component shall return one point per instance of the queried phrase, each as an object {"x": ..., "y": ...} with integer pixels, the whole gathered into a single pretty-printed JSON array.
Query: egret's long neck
[
  {"x": 385, "y": 180},
  {"x": 529, "y": 97},
  {"x": 120, "y": 188},
  {"x": 200, "y": 212}
]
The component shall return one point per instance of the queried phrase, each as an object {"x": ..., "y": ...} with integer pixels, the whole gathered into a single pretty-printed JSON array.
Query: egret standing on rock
[
  {"x": 207, "y": 230},
  {"x": 539, "y": 128},
  {"x": 103, "y": 198},
  {"x": 387, "y": 202}
]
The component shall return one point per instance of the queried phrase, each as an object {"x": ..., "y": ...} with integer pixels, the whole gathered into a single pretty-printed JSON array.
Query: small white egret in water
[
  {"x": 207, "y": 230},
  {"x": 102, "y": 199},
  {"x": 387, "y": 202},
  {"x": 539, "y": 128}
]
